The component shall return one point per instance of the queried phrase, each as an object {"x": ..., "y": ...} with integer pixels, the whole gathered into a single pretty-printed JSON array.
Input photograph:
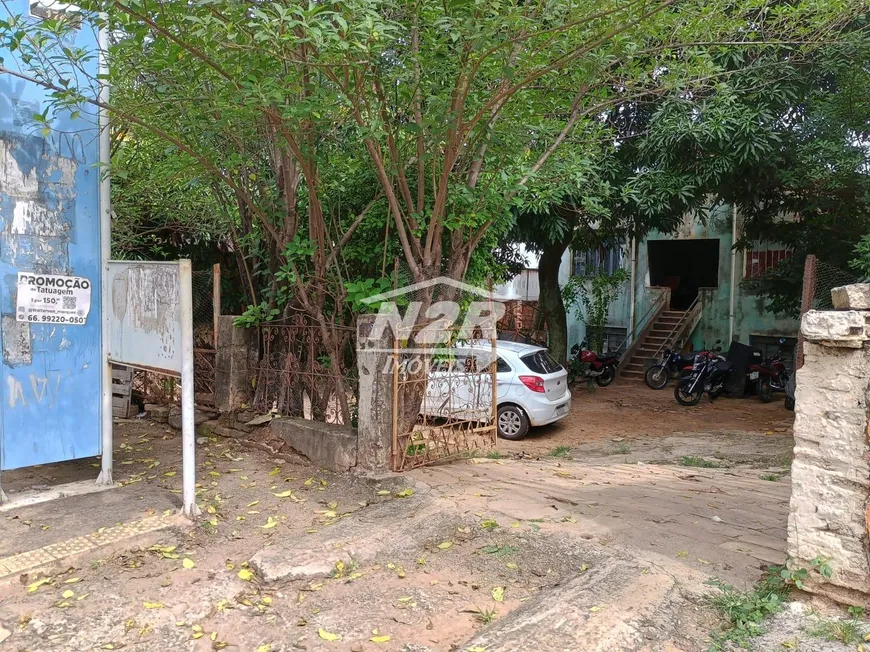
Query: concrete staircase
[{"x": 657, "y": 337}]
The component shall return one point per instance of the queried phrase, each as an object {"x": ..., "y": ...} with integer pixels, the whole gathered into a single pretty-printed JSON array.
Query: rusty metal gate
[{"x": 444, "y": 400}]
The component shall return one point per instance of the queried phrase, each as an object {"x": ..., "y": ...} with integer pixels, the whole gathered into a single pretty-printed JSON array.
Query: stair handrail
[
  {"x": 642, "y": 323},
  {"x": 676, "y": 331}
]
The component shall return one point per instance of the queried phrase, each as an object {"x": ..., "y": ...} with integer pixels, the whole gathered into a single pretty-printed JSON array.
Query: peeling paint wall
[
  {"x": 49, "y": 223},
  {"x": 146, "y": 325},
  {"x": 750, "y": 316}
]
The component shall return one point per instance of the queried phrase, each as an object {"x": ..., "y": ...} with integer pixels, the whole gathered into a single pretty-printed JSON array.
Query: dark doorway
[{"x": 684, "y": 266}]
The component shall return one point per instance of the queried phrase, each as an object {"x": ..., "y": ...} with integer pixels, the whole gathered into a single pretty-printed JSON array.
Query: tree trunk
[{"x": 550, "y": 302}]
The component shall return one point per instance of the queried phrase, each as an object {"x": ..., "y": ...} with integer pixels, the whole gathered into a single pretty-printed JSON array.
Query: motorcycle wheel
[
  {"x": 684, "y": 397},
  {"x": 606, "y": 377},
  {"x": 765, "y": 390},
  {"x": 656, "y": 377}
]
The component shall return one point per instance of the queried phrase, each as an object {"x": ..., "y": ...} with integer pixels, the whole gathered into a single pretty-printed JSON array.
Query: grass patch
[
  {"x": 770, "y": 477},
  {"x": 847, "y": 632},
  {"x": 561, "y": 451},
  {"x": 746, "y": 611},
  {"x": 622, "y": 449},
  {"x": 494, "y": 455},
  {"x": 698, "y": 462},
  {"x": 483, "y": 616}
]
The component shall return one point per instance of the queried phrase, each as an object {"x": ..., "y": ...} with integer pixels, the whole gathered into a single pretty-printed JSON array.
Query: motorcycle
[
  {"x": 671, "y": 367},
  {"x": 707, "y": 373},
  {"x": 773, "y": 375},
  {"x": 588, "y": 364}
]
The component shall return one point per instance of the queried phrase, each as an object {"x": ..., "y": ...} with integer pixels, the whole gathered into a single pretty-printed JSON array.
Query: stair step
[
  {"x": 632, "y": 375},
  {"x": 634, "y": 366},
  {"x": 678, "y": 313}
]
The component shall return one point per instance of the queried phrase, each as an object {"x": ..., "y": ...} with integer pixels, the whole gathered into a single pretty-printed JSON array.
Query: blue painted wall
[
  {"x": 751, "y": 318},
  {"x": 49, "y": 223}
]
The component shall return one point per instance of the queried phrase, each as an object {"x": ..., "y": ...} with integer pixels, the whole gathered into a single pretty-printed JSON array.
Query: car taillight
[{"x": 534, "y": 383}]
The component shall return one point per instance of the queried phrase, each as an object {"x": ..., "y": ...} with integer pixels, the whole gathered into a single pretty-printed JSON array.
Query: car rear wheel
[{"x": 512, "y": 422}]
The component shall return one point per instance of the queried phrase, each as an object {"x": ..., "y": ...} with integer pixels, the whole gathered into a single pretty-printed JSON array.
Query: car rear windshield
[{"x": 541, "y": 363}]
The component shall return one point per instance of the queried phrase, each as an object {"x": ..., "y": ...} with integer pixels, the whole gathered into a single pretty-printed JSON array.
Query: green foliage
[
  {"x": 746, "y": 611},
  {"x": 256, "y": 315},
  {"x": 861, "y": 262},
  {"x": 699, "y": 462},
  {"x": 823, "y": 567},
  {"x": 847, "y": 631},
  {"x": 561, "y": 451},
  {"x": 591, "y": 297}
]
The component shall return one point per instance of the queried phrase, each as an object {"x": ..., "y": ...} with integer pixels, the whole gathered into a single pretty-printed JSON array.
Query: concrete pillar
[
  {"x": 831, "y": 472},
  {"x": 232, "y": 386},
  {"x": 375, "y": 429}
]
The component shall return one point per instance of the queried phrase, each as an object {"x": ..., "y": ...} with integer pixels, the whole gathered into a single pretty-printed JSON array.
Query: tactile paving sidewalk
[{"x": 56, "y": 552}]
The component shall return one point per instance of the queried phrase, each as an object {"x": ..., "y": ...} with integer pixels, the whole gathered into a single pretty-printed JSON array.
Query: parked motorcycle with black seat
[
  {"x": 670, "y": 368},
  {"x": 588, "y": 364},
  {"x": 715, "y": 374}
]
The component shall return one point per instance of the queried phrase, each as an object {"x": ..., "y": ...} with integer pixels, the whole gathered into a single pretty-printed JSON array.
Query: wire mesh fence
[
  {"x": 204, "y": 284},
  {"x": 819, "y": 279},
  {"x": 826, "y": 278}
]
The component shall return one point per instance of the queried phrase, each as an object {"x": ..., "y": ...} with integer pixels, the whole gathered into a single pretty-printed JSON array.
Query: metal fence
[
  {"x": 444, "y": 400},
  {"x": 819, "y": 279},
  {"x": 154, "y": 387},
  {"x": 299, "y": 372},
  {"x": 205, "y": 285}
]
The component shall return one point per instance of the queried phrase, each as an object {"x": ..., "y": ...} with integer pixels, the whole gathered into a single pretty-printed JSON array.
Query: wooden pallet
[{"x": 122, "y": 388}]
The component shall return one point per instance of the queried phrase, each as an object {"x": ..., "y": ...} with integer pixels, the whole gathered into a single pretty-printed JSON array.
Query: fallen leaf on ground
[
  {"x": 405, "y": 493},
  {"x": 246, "y": 575},
  {"x": 379, "y": 639},
  {"x": 498, "y": 594},
  {"x": 328, "y": 636},
  {"x": 66, "y": 595},
  {"x": 270, "y": 523},
  {"x": 153, "y": 605},
  {"x": 188, "y": 563},
  {"x": 33, "y": 588},
  {"x": 444, "y": 545}
]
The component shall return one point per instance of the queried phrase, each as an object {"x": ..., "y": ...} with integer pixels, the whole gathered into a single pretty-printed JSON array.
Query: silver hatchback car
[{"x": 531, "y": 388}]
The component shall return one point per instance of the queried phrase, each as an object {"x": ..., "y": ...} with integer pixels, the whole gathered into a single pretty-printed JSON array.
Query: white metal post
[
  {"x": 106, "y": 434},
  {"x": 188, "y": 427}
]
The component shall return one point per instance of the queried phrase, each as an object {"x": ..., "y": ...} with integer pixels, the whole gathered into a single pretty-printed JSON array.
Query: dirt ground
[
  {"x": 602, "y": 544},
  {"x": 632, "y": 410}
]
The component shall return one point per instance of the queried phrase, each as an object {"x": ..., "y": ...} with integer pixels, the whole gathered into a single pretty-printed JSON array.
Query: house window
[
  {"x": 614, "y": 339},
  {"x": 604, "y": 259},
  {"x": 759, "y": 261}
]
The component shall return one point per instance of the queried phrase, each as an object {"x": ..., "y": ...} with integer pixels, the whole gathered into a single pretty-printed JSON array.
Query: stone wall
[{"x": 831, "y": 472}]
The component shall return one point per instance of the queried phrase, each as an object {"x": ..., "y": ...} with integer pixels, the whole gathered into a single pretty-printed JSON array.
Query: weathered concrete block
[
  {"x": 844, "y": 329},
  {"x": 375, "y": 396},
  {"x": 852, "y": 297},
  {"x": 831, "y": 469},
  {"x": 324, "y": 444},
  {"x": 232, "y": 387},
  {"x": 174, "y": 418}
]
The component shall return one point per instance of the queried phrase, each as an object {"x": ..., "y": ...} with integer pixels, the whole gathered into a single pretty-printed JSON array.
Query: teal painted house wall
[{"x": 750, "y": 316}]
